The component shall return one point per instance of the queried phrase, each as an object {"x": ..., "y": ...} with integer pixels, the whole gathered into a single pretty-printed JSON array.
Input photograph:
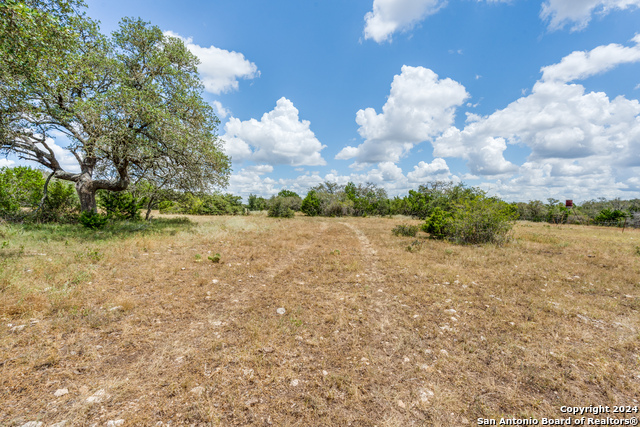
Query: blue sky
[{"x": 526, "y": 99}]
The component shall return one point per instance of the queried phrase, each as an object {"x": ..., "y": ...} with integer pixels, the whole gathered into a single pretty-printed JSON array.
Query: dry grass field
[{"x": 140, "y": 328}]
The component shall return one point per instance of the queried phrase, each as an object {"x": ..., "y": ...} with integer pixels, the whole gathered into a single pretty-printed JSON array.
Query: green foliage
[
  {"x": 203, "y": 204},
  {"x": 477, "y": 220},
  {"x": 482, "y": 220},
  {"x": 19, "y": 187},
  {"x": 287, "y": 193},
  {"x": 61, "y": 204},
  {"x": 279, "y": 207},
  {"x": 120, "y": 205},
  {"x": 215, "y": 259},
  {"x": 92, "y": 220},
  {"x": 437, "y": 224},
  {"x": 405, "y": 230},
  {"x": 257, "y": 203},
  {"x": 311, "y": 204},
  {"x": 610, "y": 217},
  {"x": 130, "y": 103}
]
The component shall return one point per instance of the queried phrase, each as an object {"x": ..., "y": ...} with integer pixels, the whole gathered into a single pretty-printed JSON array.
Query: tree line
[{"x": 23, "y": 197}]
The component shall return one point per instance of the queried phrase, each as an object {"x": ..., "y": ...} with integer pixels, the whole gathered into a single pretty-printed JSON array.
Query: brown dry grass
[{"x": 368, "y": 338}]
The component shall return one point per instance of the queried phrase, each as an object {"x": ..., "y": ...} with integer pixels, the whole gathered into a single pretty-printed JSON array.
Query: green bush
[
  {"x": 610, "y": 217},
  {"x": 474, "y": 221},
  {"x": 20, "y": 187},
  {"x": 311, "y": 204},
  {"x": 279, "y": 207},
  {"x": 92, "y": 220},
  {"x": 61, "y": 204},
  {"x": 405, "y": 230},
  {"x": 120, "y": 205},
  {"x": 481, "y": 220},
  {"x": 437, "y": 224}
]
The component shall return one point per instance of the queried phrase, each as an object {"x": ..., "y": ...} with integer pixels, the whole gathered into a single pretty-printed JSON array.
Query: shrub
[
  {"x": 311, "y": 204},
  {"x": 279, "y": 208},
  {"x": 478, "y": 220},
  {"x": 19, "y": 187},
  {"x": 405, "y": 230},
  {"x": 62, "y": 203},
  {"x": 481, "y": 220},
  {"x": 92, "y": 220},
  {"x": 437, "y": 224},
  {"x": 609, "y": 217},
  {"x": 120, "y": 205}
]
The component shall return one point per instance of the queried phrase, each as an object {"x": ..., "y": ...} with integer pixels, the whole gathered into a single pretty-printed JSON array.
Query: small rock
[
  {"x": 32, "y": 424},
  {"x": 115, "y": 423},
  {"x": 444, "y": 352},
  {"x": 97, "y": 396},
  {"x": 463, "y": 420},
  {"x": 325, "y": 373},
  {"x": 117, "y": 308},
  {"x": 450, "y": 311},
  {"x": 197, "y": 390},
  {"x": 425, "y": 395},
  {"x": 294, "y": 383},
  {"x": 406, "y": 359},
  {"x": 61, "y": 392},
  {"x": 18, "y": 328},
  {"x": 401, "y": 404},
  {"x": 266, "y": 350},
  {"x": 281, "y": 311},
  {"x": 60, "y": 424},
  {"x": 453, "y": 319}
]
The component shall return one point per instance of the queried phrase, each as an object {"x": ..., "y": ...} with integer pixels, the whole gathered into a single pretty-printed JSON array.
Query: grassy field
[{"x": 135, "y": 323}]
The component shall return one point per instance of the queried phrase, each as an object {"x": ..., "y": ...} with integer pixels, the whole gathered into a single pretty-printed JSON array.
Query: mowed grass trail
[{"x": 140, "y": 326}]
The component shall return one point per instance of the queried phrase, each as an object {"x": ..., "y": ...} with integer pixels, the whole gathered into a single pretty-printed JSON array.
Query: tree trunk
[
  {"x": 149, "y": 205},
  {"x": 86, "y": 193}
]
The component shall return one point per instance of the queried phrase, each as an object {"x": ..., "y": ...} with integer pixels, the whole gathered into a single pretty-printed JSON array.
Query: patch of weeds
[
  {"x": 215, "y": 259},
  {"x": 198, "y": 258},
  {"x": 5, "y": 244},
  {"x": 637, "y": 250},
  {"x": 405, "y": 230},
  {"x": 335, "y": 252},
  {"x": 415, "y": 246},
  {"x": 448, "y": 251},
  {"x": 296, "y": 323},
  {"x": 91, "y": 254}
]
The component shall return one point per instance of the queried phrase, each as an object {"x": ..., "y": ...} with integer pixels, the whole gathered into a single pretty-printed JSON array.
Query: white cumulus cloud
[
  {"x": 580, "y": 140},
  {"x": 577, "y": 13},
  {"x": 280, "y": 137},
  {"x": 389, "y": 16},
  {"x": 420, "y": 106},
  {"x": 424, "y": 172},
  {"x": 219, "y": 69},
  {"x": 580, "y": 65}
]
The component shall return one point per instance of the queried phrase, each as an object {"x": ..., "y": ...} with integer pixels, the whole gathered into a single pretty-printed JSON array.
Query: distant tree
[
  {"x": 257, "y": 203},
  {"x": 287, "y": 193},
  {"x": 131, "y": 104}
]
